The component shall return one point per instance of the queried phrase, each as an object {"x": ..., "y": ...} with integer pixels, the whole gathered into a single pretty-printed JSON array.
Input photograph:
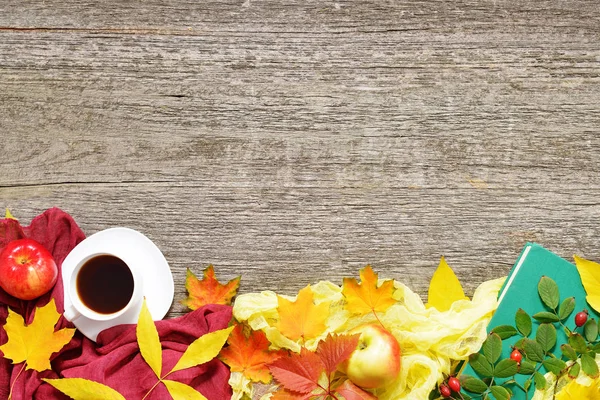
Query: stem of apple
[{"x": 16, "y": 377}]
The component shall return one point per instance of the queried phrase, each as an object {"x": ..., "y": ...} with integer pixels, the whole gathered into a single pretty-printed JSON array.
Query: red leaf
[
  {"x": 352, "y": 392},
  {"x": 298, "y": 372},
  {"x": 336, "y": 349}
]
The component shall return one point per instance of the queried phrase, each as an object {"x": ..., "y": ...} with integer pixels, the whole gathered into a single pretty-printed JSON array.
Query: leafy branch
[{"x": 529, "y": 355}]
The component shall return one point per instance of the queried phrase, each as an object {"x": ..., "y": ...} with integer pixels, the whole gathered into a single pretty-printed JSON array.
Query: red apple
[
  {"x": 376, "y": 360},
  {"x": 27, "y": 269}
]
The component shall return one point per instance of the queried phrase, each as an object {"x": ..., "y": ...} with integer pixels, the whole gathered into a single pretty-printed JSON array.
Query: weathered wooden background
[{"x": 296, "y": 141}]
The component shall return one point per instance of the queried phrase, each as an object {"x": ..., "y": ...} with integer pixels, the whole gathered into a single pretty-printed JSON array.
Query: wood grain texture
[{"x": 294, "y": 142}]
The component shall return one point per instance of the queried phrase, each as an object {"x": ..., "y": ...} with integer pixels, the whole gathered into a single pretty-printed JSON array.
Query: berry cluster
[{"x": 451, "y": 385}]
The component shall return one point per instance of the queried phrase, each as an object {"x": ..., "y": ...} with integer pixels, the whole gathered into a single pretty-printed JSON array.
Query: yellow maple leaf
[
  {"x": 36, "y": 342},
  {"x": 208, "y": 290},
  {"x": 589, "y": 272},
  {"x": 302, "y": 318},
  {"x": 366, "y": 296},
  {"x": 444, "y": 288}
]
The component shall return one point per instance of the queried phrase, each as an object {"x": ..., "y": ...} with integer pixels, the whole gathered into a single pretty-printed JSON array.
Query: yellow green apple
[{"x": 377, "y": 358}]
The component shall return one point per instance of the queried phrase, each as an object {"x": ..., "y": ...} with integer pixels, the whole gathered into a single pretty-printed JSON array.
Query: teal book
[{"x": 520, "y": 291}]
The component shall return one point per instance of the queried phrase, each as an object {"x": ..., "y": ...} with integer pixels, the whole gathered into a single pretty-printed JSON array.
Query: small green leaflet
[
  {"x": 523, "y": 322},
  {"x": 548, "y": 290}
]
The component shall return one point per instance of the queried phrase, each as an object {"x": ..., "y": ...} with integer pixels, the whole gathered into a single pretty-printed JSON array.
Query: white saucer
[{"x": 138, "y": 252}]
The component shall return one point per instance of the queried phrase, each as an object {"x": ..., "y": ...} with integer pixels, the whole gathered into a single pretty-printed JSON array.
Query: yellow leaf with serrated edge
[
  {"x": 302, "y": 318},
  {"x": 181, "y": 391},
  {"x": 444, "y": 288},
  {"x": 84, "y": 389},
  {"x": 8, "y": 215},
  {"x": 148, "y": 340},
  {"x": 36, "y": 342},
  {"x": 589, "y": 272},
  {"x": 203, "y": 349},
  {"x": 366, "y": 296}
]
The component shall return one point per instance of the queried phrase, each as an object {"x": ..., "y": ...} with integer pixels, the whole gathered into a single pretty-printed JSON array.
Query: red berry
[
  {"x": 445, "y": 390},
  {"x": 454, "y": 384},
  {"x": 517, "y": 356},
  {"x": 581, "y": 318}
]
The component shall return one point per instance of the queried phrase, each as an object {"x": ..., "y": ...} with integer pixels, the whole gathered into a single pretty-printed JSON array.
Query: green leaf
[
  {"x": 527, "y": 367},
  {"x": 554, "y": 365},
  {"x": 473, "y": 384},
  {"x": 505, "y": 368},
  {"x": 566, "y": 308},
  {"x": 533, "y": 350},
  {"x": 545, "y": 316},
  {"x": 523, "y": 322},
  {"x": 492, "y": 347},
  {"x": 590, "y": 330},
  {"x": 540, "y": 381},
  {"x": 548, "y": 290},
  {"x": 578, "y": 343},
  {"x": 568, "y": 352},
  {"x": 589, "y": 366},
  {"x": 527, "y": 384},
  {"x": 481, "y": 365},
  {"x": 500, "y": 393},
  {"x": 546, "y": 336},
  {"x": 505, "y": 331},
  {"x": 574, "y": 371},
  {"x": 519, "y": 344}
]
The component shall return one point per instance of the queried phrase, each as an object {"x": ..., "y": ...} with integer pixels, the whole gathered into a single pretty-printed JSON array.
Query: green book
[{"x": 520, "y": 291}]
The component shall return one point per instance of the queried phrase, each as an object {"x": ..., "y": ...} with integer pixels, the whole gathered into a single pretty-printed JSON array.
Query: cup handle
[{"x": 71, "y": 313}]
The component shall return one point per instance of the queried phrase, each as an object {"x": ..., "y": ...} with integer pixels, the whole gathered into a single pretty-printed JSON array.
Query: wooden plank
[
  {"x": 285, "y": 238},
  {"x": 306, "y": 16},
  {"x": 295, "y": 142}
]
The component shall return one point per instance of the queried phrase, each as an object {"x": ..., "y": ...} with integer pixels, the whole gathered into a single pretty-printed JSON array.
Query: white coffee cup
[{"x": 102, "y": 287}]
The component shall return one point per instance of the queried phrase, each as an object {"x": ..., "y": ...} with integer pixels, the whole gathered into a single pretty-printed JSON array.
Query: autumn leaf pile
[
  {"x": 433, "y": 337},
  {"x": 293, "y": 345}
]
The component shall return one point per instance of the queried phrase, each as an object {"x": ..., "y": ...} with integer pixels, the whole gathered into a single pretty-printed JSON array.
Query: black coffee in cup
[{"x": 105, "y": 284}]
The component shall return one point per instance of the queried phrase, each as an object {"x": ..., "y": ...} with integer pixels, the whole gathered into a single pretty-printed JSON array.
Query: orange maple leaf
[
  {"x": 208, "y": 290},
  {"x": 302, "y": 318},
  {"x": 365, "y": 297},
  {"x": 249, "y": 354}
]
